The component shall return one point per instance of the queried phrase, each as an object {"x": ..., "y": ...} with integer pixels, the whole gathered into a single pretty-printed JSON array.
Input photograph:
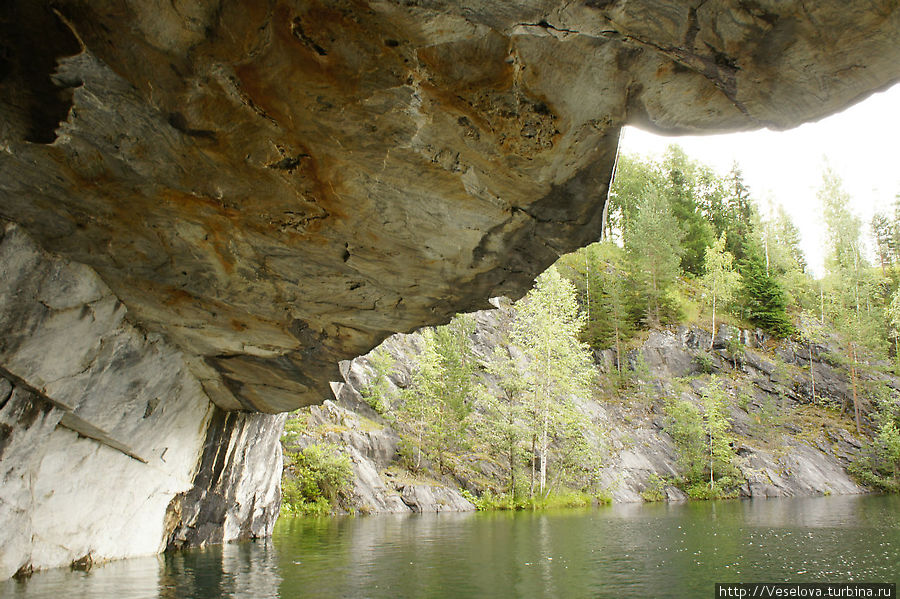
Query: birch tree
[
  {"x": 720, "y": 281},
  {"x": 546, "y": 329}
]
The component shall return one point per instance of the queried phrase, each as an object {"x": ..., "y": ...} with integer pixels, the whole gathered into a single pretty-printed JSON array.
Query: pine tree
[{"x": 653, "y": 245}]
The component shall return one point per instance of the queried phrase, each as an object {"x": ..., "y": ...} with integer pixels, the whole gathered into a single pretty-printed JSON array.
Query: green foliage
[
  {"x": 720, "y": 442},
  {"x": 703, "y": 360},
  {"x": 893, "y": 315},
  {"x": 704, "y": 443},
  {"x": 295, "y": 426},
  {"x": 653, "y": 245},
  {"x": 784, "y": 244},
  {"x": 843, "y": 228},
  {"x": 640, "y": 371},
  {"x": 879, "y": 464},
  {"x": 557, "y": 368},
  {"x": 599, "y": 274},
  {"x": 436, "y": 405},
  {"x": 683, "y": 191},
  {"x": 882, "y": 230},
  {"x": 633, "y": 177},
  {"x": 735, "y": 348},
  {"x": 684, "y": 423},
  {"x": 720, "y": 281},
  {"x": 530, "y": 421},
  {"x": 314, "y": 479},
  {"x": 763, "y": 299},
  {"x": 503, "y": 426},
  {"x": 725, "y": 487},
  {"x": 655, "y": 489},
  {"x": 888, "y": 444},
  {"x": 375, "y": 393},
  {"x": 566, "y": 498}
]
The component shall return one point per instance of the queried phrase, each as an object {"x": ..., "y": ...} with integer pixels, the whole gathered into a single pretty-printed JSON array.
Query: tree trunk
[
  {"x": 533, "y": 458},
  {"x": 618, "y": 350},
  {"x": 544, "y": 445},
  {"x": 512, "y": 470},
  {"x": 712, "y": 341},
  {"x": 853, "y": 380},
  {"x": 821, "y": 305},
  {"x": 812, "y": 376}
]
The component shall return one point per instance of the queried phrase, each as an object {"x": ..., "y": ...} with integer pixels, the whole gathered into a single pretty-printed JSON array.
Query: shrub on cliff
[{"x": 314, "y": 479}]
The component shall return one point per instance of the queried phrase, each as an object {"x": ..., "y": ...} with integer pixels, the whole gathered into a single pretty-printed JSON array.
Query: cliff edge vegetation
[{"x": 689, "y": 355}]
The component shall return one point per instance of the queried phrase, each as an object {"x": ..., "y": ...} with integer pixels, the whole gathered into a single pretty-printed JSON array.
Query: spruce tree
[
  {"x": 764, "y": 302},
  {"x": 681, "y": 190}
]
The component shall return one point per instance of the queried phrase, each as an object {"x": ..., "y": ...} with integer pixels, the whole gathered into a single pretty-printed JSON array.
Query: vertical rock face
[
  {"x": 102, "y": 426},
  {"x": 236, "y": 493}
]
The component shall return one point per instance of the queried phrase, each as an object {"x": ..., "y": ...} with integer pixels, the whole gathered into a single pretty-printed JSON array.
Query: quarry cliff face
[
  {"x": 274, "y": 186},
  {"x": 217, "y": 201}
]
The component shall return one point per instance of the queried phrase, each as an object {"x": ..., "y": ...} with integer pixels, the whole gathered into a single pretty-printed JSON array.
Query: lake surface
[{"x": 653, "y": 550}]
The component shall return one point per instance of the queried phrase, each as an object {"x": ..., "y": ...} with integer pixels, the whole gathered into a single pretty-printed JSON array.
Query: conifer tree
[
  {"x": 598, "y": 272},
  {"x": 681, "y": 190},
  {"x": 653, "y": 245},
  {"x": 764, "y": 301},
  {"x": 739, "y": 213}
]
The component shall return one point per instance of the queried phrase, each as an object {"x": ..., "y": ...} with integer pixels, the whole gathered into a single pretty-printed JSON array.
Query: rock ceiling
[{"x": 274, "y": 186}]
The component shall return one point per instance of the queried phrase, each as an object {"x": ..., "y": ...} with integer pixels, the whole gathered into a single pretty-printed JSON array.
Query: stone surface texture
[
  {"x": 277, "y": 185},
  {"x": 786, "y": 447},
  {"x": 109, "y": 445},
  {"x": 239, "y": 193},
  {"x": 373, "y": 449}
]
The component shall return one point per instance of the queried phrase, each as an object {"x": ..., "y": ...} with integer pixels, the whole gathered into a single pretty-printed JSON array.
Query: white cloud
[{"x": 862, "y": 144}]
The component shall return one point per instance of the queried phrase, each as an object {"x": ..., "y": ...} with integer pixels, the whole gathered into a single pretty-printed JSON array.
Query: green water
[{"x": 617, "y": 551}]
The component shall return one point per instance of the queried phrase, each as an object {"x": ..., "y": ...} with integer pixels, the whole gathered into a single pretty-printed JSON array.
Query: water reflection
[
  {"x": 618, "y": 551},
  {"x": 239, "y": 570}
]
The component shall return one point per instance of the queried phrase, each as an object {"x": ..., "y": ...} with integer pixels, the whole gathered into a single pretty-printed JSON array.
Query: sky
[{"x": 861, "y": 144}]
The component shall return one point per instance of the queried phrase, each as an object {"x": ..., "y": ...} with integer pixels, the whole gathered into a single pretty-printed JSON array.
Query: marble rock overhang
[{"x": 275, "y": 185}]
